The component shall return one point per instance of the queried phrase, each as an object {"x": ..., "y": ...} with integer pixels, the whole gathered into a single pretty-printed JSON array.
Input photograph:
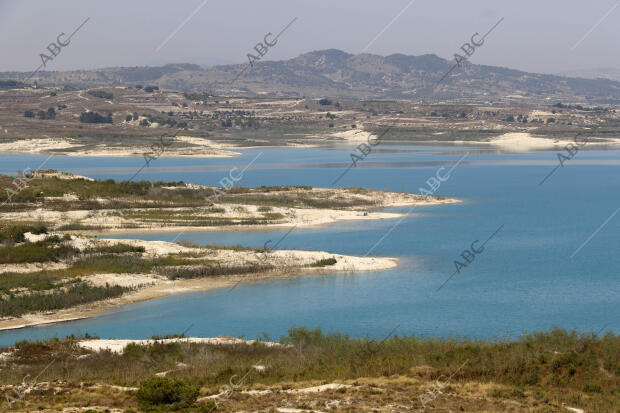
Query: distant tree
[
  {"x": 145, "y": 122},
  {"x": 94, "y": 117},
  {"x": 101, "y": 94},
  {"x": 128, "y": 118},
  {"x": 138, "y": 86},
  {"x": 551, "y": 120},
  {"x": 510, "y": 118},
  {"x": 53, "y": 94},
  {"x": 11, "y": 84},
  {"x": 325, "y": 102},
  {"x": 29, "y": 114},
  {"x": 337, "y": 105},
  {"x": 41, "y": 114},
  {"x": 171, "y": 113},
  {"x": 197, "y": 96},
  {"x": 331, "y": 125},
  {"x": 463, "y": 114}
]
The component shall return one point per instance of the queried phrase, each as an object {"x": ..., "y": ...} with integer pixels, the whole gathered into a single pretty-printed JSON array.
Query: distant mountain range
[
  {"x": 334, "y": 73},
  {"x": 596, "y": 73}
]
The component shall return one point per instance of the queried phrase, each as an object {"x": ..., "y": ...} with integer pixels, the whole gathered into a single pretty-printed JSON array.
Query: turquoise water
[{"x": 525, "y": 279}]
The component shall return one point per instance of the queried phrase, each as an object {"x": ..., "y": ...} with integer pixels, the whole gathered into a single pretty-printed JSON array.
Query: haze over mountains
[
  {"x": 335, "y": 73},
  {"x": 595, "y": 73}
]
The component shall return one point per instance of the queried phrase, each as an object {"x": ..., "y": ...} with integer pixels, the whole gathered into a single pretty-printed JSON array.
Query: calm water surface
[{"x": 525, "y": 279}]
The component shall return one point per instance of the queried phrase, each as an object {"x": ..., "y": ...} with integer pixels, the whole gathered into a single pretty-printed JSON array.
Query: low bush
[
  {"x": 212, "y": 271},
  {"x": 101, "y": 94},
  {"x": 93, "y": 117},
  {"x": 324, "y": 262},
  {"x": 16, "y": 233},
  {"x": 171, "y": 394},
  {"x": 34, "y": 252},
  {"x": 80, "y": 293},
  {"x": 115, "y": 249}
]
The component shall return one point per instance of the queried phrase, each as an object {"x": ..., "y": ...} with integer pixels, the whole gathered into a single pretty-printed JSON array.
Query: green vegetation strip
[
  {"x": 46, "y": 193},
  {"x": 77, "y": 294},
  {"x": 213, "y": 271}
]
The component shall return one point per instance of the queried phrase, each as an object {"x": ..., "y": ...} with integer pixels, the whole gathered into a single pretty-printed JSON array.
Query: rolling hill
[{"x": 336, "y": 73}]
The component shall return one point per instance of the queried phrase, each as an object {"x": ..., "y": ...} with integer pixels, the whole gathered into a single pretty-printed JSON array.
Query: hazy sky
[{"x": 536, "y": 35}]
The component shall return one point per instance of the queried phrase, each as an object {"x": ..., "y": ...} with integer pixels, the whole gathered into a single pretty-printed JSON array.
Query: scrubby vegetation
[
  {"x": 60, "y": 278},
  {"x": 133, "y": 196},
  {"x": 101, "y": 94},
  {"x": 43, "y": 251},
  {"x": 94, "y": 117},
  {"x": 324, "y": 263},
  {"x": 11, "y": 84},
  {"x": 197, "y": 96},
  {"x": 51, "y": 289},
  {"x": 76, "y": 294},
  {"x": 540, "y": 372},
  {"x": 212, "y": 270},
  {"x": 164, "y": 394},
  {"x": 15, "y": 233}
]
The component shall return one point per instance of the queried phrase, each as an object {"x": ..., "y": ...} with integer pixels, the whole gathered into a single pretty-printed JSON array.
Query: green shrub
[
  {"x": 170, "y": 393},
  {"x": 80, "y": 293},
  {"x": 16, "y": 233},
  {"x": 207, "y": 407},
  {"x": 324, "y": 263},
  {"x": 592, "y": 388},
  {"x": 203, "y": 271},
  {"x": 101, "y": 94},
  {"x": 115, "y": 249},
  {"x": 93, "y": 117},
  {"x": 35, "y": 252}
]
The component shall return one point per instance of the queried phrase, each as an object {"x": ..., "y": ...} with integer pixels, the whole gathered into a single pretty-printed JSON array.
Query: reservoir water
[{"x": 535, "y": 273}]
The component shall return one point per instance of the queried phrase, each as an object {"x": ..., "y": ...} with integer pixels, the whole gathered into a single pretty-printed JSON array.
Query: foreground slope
[{"x": 309, "y": 371}]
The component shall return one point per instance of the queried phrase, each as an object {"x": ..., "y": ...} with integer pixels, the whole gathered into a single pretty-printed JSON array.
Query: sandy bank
[
  {"x": 525, "y": 142},
  {"x": 227, "y": 217},
  {"x": 285, "y": 263},
  {"x": 117, "y": 346},
  {"x": 176, "y": 147}
]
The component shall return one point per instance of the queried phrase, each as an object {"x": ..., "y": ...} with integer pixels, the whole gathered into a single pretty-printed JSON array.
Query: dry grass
[{"x": 541, "y": 372}]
